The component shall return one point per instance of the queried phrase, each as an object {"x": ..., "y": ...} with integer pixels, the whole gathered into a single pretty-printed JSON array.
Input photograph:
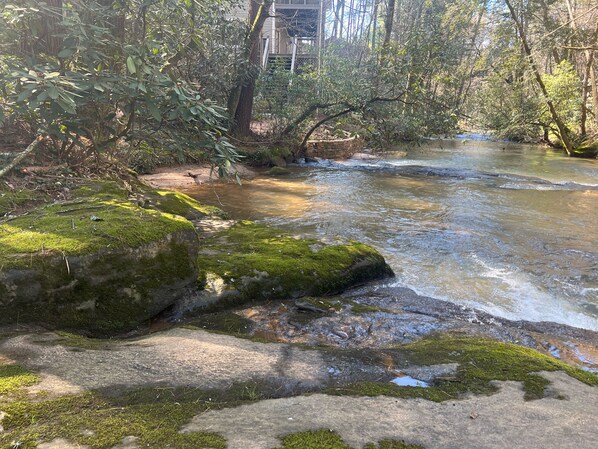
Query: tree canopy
[{"x": 108, "y": 79}]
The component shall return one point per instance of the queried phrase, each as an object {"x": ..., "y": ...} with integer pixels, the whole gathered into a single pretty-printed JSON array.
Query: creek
[{"x": 506, "y": 228}]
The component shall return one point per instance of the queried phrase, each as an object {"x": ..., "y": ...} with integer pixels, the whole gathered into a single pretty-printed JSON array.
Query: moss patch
[
  {"x": 101, "y": 420},
  {"x": 326, "y": 439},
  {"x": 324, "y": 304},
  {"x": 11, "y": 200},
  {"x": 14, "y": 377},
  {"x": 480, "y": 361},
  {"x": 226, "y": 322},
  {"x": 180, "y": 204},
  {"x": 362, "y": 309},
  {"x": 586, "y": 151},
  {"x": 82, "y": 226},
  {"x": 259, "y": 263},
  {"x": 79, "y": 341}
]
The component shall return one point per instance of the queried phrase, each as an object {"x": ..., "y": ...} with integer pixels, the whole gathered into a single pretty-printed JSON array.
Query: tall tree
[
  {"x": 240, "y": 102},
  {"x": 563, "y": 130}
]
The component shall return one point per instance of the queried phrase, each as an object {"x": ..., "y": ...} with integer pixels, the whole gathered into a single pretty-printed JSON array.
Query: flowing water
[{"x": 509, "y": 229}]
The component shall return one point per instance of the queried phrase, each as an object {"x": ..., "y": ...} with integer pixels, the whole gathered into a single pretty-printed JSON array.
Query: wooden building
[{"x": 293, "y": 34}]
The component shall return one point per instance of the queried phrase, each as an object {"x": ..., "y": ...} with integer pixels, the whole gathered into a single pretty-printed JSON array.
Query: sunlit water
[{"x": 506, "y": 228}]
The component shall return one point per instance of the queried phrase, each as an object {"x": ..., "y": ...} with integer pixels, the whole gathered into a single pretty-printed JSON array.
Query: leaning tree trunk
[
  {"x": 563, "y": 131},
  {"x": 17, "y": 160},
  {"x": 240, "y": 102}
]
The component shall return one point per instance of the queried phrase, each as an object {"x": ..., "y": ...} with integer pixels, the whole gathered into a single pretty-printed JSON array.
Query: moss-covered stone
[
  {"x": 180, "y": 204},
  {"x": 95, "y": 421},
  {"x": 81, "y": 342},
  {"x": 97, "y": 261},
  {"x": 100, "y": 420},
  {"x": 586, "y": 151},
  {"x": 480, "y": 362},
  {"x": 327, "y": 439},
  {"x": 14, "y": 377},
  {"x": 265, "y": 156},
  {"x": 251, "y": 262}
]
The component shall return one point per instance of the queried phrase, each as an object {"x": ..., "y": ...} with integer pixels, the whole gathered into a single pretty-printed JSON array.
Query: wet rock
[{"x": 388, "y": 316}]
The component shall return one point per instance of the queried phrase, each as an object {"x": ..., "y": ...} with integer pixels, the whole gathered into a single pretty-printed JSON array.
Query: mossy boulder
[
  {"x": 586, "y": 151},
  {"x": 266, "y": 156},
  {"x": 98, "y": 261},
  {"x": 249, "y": 262}
]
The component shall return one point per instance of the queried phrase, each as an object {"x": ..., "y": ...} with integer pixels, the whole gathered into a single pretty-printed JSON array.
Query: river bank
[
  {"x": 376, "y": 366},
  {"x": 377, "y": 315}
]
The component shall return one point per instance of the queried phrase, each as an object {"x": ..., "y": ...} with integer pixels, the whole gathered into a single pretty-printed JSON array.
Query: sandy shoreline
[{"x": 189, "y": 175}]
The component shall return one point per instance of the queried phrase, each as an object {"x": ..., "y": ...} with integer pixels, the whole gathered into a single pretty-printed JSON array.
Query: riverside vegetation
[{"x": 93, "y": 261}]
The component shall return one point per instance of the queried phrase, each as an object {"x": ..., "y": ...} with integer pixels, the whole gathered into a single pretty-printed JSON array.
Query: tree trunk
[
  {"x": 240, "y": 103},
  {"x": 117, "y": 22},
  {"x": 563, "y": 131},
  {"x": 388, "y": 21},
  {"x": 51, "y": 23},
  {"x": 17, "y": 160},
  {"x": 588, "y": 73}
]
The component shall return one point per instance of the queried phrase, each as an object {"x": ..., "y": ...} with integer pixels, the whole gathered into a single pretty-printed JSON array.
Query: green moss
[
  {"x": 327, "y": 439},
  {"x": 180, "y": 204},
  {"x": 263, "y": 263},
  {"x": 110, "y": 291},
  {"x": 82, "y": 226},
  {"x": 11, "y": 200},
  {"x": 324, "y": 304},
  {"x": 102, "y": 189},
  {"x": 480, "y": 362},
  {"x": 313, "y": 439},
  {"x": 14, "y": 377},
  {"x": 94, "y": 421},
  {"x": 586, "y": 151},
  {"x": 78, "y": 341},
  {"x": 101, "y": 420}
]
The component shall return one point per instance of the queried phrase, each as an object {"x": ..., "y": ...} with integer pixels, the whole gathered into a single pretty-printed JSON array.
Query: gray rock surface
[{"x": 503, "y": 420}]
